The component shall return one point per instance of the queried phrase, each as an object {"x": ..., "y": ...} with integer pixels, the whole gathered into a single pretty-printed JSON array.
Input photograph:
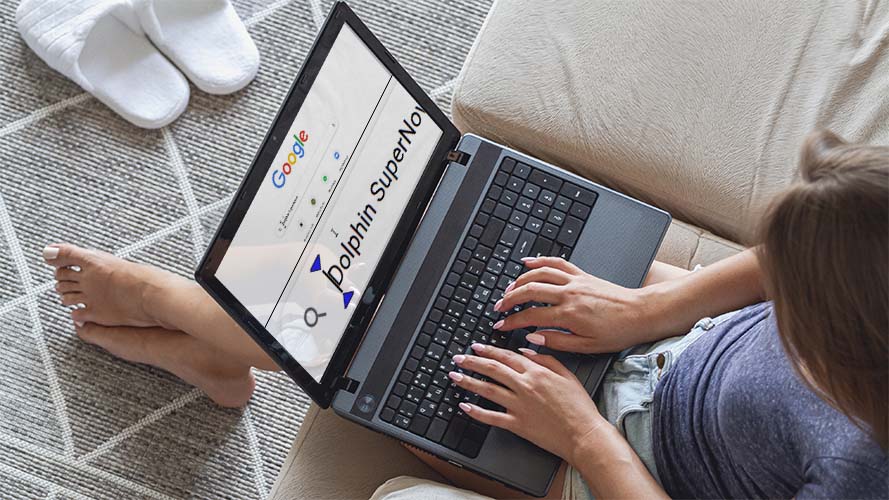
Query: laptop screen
[{"x": 319, "y": 223}]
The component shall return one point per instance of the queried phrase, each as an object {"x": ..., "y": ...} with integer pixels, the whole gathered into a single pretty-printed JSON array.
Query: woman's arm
[
  {"x": 605, "y": 317},
  {"x": 673, "y": 306}
]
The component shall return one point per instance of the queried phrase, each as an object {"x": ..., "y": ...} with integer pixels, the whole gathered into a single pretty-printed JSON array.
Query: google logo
[{"x": 279, "y": 177}]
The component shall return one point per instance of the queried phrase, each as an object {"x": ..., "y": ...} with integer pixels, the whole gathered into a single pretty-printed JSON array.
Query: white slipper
[
  {"x": 205, "y": 39},
  {"x": 99, "y": 45}
]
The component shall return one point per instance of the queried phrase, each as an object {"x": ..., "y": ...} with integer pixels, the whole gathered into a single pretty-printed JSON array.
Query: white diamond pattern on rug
[{"x": 75, "y": 422}]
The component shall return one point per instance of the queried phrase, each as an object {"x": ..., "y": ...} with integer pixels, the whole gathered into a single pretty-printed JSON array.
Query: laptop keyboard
[{"x": 526, "y": 212}]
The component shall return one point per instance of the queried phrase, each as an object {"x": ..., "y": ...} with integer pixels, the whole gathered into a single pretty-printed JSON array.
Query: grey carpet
[{"x": 74, "y": 421}]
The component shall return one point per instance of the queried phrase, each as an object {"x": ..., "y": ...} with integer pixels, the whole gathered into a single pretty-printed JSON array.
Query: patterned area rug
[{"x": 75, "y": 422}]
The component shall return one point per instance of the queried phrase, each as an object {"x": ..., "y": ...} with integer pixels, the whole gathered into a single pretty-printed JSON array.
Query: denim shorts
[{"x": 627, "y": 392}]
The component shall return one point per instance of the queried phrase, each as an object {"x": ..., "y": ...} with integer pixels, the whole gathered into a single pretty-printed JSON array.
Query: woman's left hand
[{"x": 544, "y": 401}]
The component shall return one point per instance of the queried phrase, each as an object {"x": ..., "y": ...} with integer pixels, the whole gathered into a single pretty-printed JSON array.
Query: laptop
[{"x": 369, "y": 241}]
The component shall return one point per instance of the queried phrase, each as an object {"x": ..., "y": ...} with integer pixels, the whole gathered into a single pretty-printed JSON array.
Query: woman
[{"x": 780, "y": 399}]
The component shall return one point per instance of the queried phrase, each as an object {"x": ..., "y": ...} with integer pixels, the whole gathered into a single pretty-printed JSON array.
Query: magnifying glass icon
[{"x": 311, "y": 316}]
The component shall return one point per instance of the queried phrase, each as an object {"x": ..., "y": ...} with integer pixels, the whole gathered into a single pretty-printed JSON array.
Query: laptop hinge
[
  {"x": 345, "y": 384},
  {"x": 458, "y": 156}
]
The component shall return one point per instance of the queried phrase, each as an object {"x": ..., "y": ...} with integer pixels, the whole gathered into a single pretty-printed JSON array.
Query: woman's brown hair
[{"x": 825, "y": 258}]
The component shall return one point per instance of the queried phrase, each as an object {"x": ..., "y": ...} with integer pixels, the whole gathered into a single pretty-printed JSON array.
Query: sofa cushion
[
  {"x": 333, "y": 458},
  {"x": 697, "y": 107}
]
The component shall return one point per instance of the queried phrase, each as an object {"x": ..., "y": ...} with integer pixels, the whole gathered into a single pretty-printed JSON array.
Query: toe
[
  {"x": 63, "y": 255},
  {"x": 81, "y": 317},
  {"x": 73, "y": 298},
  {"x": 68, "y": 287},
  {"x": 67, "y": 274}
]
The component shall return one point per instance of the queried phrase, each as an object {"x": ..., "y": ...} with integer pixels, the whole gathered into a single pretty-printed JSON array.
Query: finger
[
  {"x": 70, "y": 299},
  {"x": 560, "y": 341},
  {"x": 490, "y": 368},
  {"x": 495, "y": 418},
  {"x": 531, "y": 292},
  {"x": 67, "y": 274},
  {"x": 554, "y": 262},
  {"x": 487, "y": 390},
  {"x": 546, "y": 361},
  {"x": 549, "y": 275},
  {"x": 67, "y": 286},
  {"x": 508, "y": 358},
  {"x": 532, "y": 316}
]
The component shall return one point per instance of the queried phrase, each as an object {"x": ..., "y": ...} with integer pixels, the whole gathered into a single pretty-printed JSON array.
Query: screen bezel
[{"x": 322, "y": 392}]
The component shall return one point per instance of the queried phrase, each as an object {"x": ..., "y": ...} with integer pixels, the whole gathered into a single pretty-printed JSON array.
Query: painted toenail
[
  {"x": 79, "y": 324},
  {"x": 50, "y": 253}
]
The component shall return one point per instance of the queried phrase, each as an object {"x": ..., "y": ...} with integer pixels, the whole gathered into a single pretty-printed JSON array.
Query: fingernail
[
  {"x": 535, "y": 338},
  {"x": 50, "y": 253},
  {"x": 528, "y": 259},
  {"x": 466, "y": 407},
  {"x": 497, "y": 305},
  {"x": 478, "y": 347},
  {"x": 510, "y": 287},
  {"x": 498, "y": 324},
  {"x": 459, "y": 358},
  {"x": 527, "y": 352},
  {"x": 455, "y": 376},
  {"x": 79, "y": 324}
]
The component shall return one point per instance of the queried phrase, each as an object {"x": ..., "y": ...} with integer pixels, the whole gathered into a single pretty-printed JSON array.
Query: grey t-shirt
[{"x": 732, "y": 419}]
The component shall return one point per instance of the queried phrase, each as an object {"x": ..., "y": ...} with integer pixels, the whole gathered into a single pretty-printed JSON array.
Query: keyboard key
[
  {"x": 523, "y": 245},
  {"x": 547, "y": 197},
  {"x": 502, "y": 252},
  {"x": 399, "y": 389},
  {"x": 405, "y": 376},
  {"x": 436, "y": 429},
  {"x": 407, "y": 408},
  {"x": 469, "y": 448},
  {"x": 402, "y": 421},
  {"x": 510, "y": 235},
  {"x": 417, "y": 352},
  {"x": 453, "y": 279},
  {"x": 507, "y": 164},
  {"x": 393, "y": 401},
  {"x": 475, "y": 267},
  {"x": 570, "y": 231},
  {"x": 580, "y": 210},
  {"x": 428, "y": 365},
  {"x": 495, "y": 266},
  {"x": 545, "y": 180},
  {"x": 577, "y": 193},
  {"x": 482, "y": 253},
  {"x": 488, "y": 280},
  {"x": 540, "y": 210},
  {"x": 495, "y": 192},
  {"x": 556, "y": 217},
  {"x": 522, "y": 170},
  {"x": 501, "y": 178},
  {"x": 427, "y": 408},
  {"x": 436, "y": 351},
  {"x": 441, "y": 303},
  {"x": 414, "y": 394},
  {"x": 564, "y": 252},
  {"x": 525, "y": 204},
  {"x": 475, "y": 231},
  {"x": 502, "y": 211},
  {"x": 531, "y": 191},
  {"x": 562, "y": 203},
  {"x": 481, "y": 219},
  {"x": 468, "y": 281},
  {"x": 542, "y": 247},
  {"x": 489, "y": 204},
  {"x": 534, "y": 225},
  {"x": 508, "y": 198},
  {"x": 492, "y": 232},
  {"x": 518, "y": 218},
  {"x": 513, "y": 269},
  {"x": 445, "y": 411},
  {"x": 422, "y": 380},
  {"x": 387, "y": 414},
  {"x": 462, "y": 295},
  {"x": 420, "y": 424},
  {"x": 549, "y": 231},
  {"x": 515, "y": 183}
]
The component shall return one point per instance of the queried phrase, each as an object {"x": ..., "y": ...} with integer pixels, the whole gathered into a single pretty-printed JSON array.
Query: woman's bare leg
[
  {"x": 121, "y": 293},
  {"x": 661, "y": 271}
]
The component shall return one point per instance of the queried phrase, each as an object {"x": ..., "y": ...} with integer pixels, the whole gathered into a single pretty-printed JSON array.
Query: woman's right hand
[{"x": 602, "y": 316}]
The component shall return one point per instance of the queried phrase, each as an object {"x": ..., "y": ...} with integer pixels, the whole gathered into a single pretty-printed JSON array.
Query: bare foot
[
  {"x": 112, "y": 289},
  {"x": 227, "y": 383}
]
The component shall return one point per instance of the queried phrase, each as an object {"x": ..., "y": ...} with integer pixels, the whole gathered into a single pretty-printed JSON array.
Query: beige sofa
[{"x": 696, "y": 107}]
